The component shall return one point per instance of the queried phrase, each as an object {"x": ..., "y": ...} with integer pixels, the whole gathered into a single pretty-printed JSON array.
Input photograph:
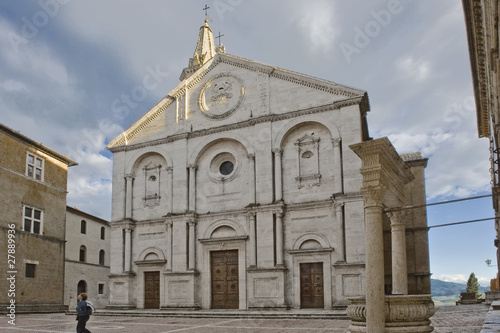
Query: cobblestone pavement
[
  {"x": 453, "y": 319},
  {"x": 459, "y": 319}
]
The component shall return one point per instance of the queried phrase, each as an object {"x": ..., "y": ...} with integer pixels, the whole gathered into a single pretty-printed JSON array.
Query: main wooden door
[
  {"x": 311, "y": 285},
  {"x": 224, "y": 273},
  {"x": 151, "y": 290}
]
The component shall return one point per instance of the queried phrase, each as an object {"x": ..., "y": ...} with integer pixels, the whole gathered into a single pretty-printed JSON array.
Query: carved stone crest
[{"x": 221, "y": 96}]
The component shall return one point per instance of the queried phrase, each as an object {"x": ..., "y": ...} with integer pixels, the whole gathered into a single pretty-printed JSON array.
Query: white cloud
[
  {"x": 13, "y": 86},
  {"x": 318, "y": 23},
  {"x": 417, "y": 69},
  {"x": 461, "y": 278}
]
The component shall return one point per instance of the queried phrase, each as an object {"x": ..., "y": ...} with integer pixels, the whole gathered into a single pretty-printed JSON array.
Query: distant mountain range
[
  {"x": 443, "y": 288},
  {"x": 448, "y": 293}
]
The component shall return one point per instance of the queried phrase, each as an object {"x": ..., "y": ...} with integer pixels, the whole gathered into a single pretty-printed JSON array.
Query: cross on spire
[
  {"x": 206, "y": 11},
  {"x": 219, "y": 37}
]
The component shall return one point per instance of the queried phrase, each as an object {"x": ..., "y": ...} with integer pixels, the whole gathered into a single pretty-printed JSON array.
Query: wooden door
[
  {"x": 224, "y": 273},
  {"x": 151, "y": 290},
  {"x": 311, "y": 285}
]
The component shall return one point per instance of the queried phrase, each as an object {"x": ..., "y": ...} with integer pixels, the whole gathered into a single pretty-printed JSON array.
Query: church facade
[{"x": 238, "y": 190}]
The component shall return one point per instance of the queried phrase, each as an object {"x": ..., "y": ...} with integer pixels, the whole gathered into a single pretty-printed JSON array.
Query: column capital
[
  {"x": 193, "y": 166},
  {"x": 278, "y": 151},
  {"x": 278, "y": 212},
  {"x": 397, "y": 217},
  {"x": 129, "y": 176},
  {"x": 192, "y": 223},
  {"x": 129, "y": 229},
  {"x": 251, "y": 214},
  {"x": 169, "y": 224},
  {"x": 170, "y": 169},
  {"x": 336, "y": 142},
  {"x": 251, "y": 157},
  {"x": 338, "y": 206},
  {"x": 373, "y": 195}
]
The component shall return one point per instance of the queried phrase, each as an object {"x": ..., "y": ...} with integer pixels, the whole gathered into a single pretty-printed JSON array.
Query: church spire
[{"x": 205, "y": 49}]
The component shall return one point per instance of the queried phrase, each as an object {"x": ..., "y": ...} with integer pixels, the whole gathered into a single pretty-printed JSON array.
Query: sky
[{"x": 75, "y": 73}]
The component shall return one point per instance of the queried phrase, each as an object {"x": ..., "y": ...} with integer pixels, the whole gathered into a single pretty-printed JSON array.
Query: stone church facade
[{"x": 238, "y": 190}]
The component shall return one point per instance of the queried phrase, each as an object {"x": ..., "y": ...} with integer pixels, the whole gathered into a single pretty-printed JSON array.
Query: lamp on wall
[{"x": 488, "y": 263}]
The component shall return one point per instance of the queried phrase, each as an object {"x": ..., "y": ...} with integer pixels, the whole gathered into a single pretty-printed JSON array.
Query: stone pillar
[
  {"x": 128, "y": 249},
  {"x": 253, "y": 239},
  {"x": 279, "y": 238},
  {"x": 337, "y": 165},
  {"x": 129, "y": 179},
  {"x": 374, "y": 242},
  {"x": 170, "y": 172},
  {"x": 339, "y": 214},
  {"x": 192, "y": 245},
  {"x": 192, "y": 187},
  {"x": 278, "y": 188},
  {"x": 399, "y": 265},
  {"x": 253, "y": 189},
  {"x": 168, "y": 236}
]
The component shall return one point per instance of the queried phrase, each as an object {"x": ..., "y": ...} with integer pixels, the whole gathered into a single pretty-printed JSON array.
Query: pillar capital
[
  {"x": 336, "y": 142},
  {"x": 129, "y": 176},
  {"x": 170, "y": 169},
  {"x": 397, "y": 217},
  {"x": 277, "y": 151},
  {"x": 278, "y": 212},
  {"x": 373, "y": 195},
  {"x": 193, "y": 166}
]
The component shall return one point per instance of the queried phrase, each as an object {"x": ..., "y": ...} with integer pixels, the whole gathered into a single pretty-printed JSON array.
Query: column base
[{"x": 403, "y": 313}]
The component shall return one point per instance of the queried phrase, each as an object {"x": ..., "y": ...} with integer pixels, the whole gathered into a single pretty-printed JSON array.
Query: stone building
[
  {"x": 481, "y": 21},
  {"x": 239, "y": 190},
  {"x": 33, "y": 192},
  {"x": 87, "y": 258}
]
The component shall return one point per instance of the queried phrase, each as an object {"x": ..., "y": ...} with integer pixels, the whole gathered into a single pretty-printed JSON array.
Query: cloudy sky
[{"x": 75, "y": 73}]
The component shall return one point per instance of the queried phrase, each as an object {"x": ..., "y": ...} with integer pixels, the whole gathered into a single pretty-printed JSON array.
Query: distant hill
[
  {"x": 448, "y": 293},
  {"x": 443, "y": 288}
]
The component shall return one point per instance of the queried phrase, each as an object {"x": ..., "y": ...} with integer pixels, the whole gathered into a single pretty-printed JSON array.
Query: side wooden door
[{"x": 151, "y": 290}]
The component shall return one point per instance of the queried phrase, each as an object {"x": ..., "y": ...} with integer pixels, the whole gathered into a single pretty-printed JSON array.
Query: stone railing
[{"x": 403, "y": 313}]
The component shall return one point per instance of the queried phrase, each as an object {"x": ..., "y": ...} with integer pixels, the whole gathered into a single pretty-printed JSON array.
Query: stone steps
[{"x": 289, "y": 314}]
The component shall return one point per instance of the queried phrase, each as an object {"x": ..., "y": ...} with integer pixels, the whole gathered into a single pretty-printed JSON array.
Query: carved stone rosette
[{"x": 403, "y": 313}]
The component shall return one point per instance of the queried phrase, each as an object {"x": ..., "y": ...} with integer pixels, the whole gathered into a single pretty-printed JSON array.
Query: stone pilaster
[
  {"x": 279, "y": 238},
  {"x": 128, "y": 249},
  {"x": 192, "y": 245},
  {"x": 129, "y": 180},
  {"x": 278, "y": 187},
  {"x": 337, "y": 166},
  {"x": 339, "y": 215},
  {"x": 252, "y": 248},
  {"x": 192, "y": 187}
]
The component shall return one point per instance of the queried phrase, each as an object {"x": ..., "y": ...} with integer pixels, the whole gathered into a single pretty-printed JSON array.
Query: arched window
[
  {"x": 82, "y": 287},
  {"x": 83, "y": 227},
  {"x": 83, "y": 253},
  {"x": 103, "y": 232},
  {"x": 101, "y": 257}
]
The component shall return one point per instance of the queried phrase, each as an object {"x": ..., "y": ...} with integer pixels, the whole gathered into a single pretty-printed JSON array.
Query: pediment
[{"x": 244, "y": 77}]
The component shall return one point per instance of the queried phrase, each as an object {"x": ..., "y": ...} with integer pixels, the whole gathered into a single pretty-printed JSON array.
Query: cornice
[
  {"x": 475, "y": 20},
  {"x": 121, "y": 146}
]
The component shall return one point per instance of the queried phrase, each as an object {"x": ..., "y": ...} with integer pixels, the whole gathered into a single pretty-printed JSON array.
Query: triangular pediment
[{"x": 245, "y": 74}]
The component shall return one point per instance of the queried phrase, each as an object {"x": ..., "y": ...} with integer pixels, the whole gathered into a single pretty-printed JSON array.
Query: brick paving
[{"x": 453, "y": 319}]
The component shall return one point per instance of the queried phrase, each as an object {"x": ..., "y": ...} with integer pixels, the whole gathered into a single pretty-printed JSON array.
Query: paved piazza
[{"x": 453, "y": 319}]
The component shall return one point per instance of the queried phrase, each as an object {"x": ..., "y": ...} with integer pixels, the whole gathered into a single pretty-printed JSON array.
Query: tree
[{"x": 473, "y": 285}]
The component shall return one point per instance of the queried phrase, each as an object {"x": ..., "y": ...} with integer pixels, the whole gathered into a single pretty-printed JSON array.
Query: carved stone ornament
[
  {"x": 221, "y": 96},
  {"x": 373, "y": 195}
]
